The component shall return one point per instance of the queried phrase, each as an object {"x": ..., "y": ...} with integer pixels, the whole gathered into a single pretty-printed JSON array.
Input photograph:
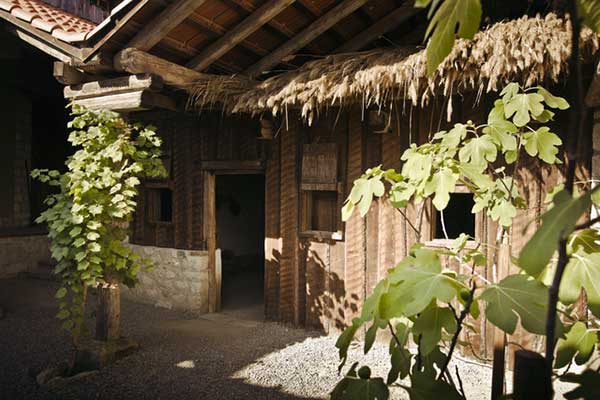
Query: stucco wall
[
  {"x": 178, "y": 280},
  {"x": 20, "y": 254}
]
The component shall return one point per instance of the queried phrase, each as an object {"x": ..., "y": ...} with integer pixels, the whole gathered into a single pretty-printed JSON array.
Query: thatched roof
[{"x": 530, "y": 50}]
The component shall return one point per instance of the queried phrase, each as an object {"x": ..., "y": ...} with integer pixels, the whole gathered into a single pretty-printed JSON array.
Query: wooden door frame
[{"x": 210, "y": 169}]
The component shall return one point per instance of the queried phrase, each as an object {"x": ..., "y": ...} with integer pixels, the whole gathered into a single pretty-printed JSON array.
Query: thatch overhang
[{"x": 530, "y": 50}]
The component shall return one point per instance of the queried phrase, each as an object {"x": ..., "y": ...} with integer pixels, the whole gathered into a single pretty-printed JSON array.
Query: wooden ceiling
[{"x": 260, "y": 37}]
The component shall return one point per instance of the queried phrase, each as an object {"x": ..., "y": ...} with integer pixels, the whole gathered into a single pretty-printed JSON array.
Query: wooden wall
[
  {"x": 188, "y": 140},
  {"x": 335, "y": 276}
]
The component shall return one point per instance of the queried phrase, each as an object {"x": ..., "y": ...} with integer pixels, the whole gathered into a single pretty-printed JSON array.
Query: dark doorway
[{"x": 240, "y": 202}]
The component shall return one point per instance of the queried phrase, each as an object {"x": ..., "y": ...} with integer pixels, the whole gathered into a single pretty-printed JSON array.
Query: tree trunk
[
  {"x": 530, "y": 376},
  {"x": 108, "y": 311}
]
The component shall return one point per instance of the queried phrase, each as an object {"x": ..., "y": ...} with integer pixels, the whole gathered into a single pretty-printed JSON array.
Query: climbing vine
[
  {"x": 558, "y": 265},
  {"x": 88, "y": 217},
  {"x": 424, "y": 305}
]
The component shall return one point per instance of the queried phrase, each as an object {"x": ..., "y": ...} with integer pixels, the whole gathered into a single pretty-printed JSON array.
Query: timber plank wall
[
  {"x": 187, "y": 141},
  {"x": 335, "y": 276}
]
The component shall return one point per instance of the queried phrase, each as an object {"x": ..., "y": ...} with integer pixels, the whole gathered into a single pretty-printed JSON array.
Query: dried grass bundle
[{"x": 529, "y": 50}]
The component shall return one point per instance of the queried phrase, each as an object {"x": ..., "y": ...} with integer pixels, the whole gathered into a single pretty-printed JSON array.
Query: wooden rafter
[
  {"x": 307, "y": 35},
  {"x": 136, "y": 61},
  {"x": 379, "y": 28},
  {"x": 164, "y": 23},
  {"x": 235, "y": 36},
  {"x": 249, "y": 7},
  {"x": 312, "y": 11},
  {"x": 185, "y": 50},
  {"x": 216, "y": 29}
]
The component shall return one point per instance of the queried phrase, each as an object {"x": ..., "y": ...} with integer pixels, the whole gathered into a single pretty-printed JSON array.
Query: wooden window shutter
[{"x": 319, "y": 167}]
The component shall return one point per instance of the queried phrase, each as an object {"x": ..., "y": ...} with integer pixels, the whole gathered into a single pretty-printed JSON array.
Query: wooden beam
[
  {"x": 129, "y": 101},
  {"x": 68, "y": 75},
  {"x": 241, "y": 31},
  {"x": 113, "y": 86},
  {"x": 136, "y": 61},
  {"x": 164, "y": 23},
  {"x": 306, "y": 36},
  {"x": 380, "y": 28},
  {"x": 237, "y": 165},
  {"x": 101, "y": 63}
]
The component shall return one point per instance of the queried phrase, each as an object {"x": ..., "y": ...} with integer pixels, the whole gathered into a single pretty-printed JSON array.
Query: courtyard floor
[{"x": 183, "y": 355}]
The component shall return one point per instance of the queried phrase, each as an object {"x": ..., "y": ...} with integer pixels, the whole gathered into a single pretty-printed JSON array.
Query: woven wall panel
[
  {"x": 317, "y": 270},
  {"x": 272, "y": 232},
  {"x": 288, "y": 225},
  {"x": 336, "y": 289},
  {"x": 355, "y": 271}
]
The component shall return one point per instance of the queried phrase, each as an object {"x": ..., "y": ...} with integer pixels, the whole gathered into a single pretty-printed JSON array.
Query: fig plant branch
[{"x": 576, "y": 134}]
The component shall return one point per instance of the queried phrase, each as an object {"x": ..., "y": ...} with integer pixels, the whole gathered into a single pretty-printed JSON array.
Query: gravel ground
[{"x": 183, "y": 356}]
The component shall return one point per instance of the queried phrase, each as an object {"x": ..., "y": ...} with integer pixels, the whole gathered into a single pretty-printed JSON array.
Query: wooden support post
[
  {"x": 210, "y": 234},
  {"x": 499, "y": 363},
  {"x": 530, "y": 377},
  {"x": 108, "y": 311}
]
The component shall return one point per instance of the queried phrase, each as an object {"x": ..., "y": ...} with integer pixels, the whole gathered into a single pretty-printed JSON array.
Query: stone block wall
[
  {"x": 20, "y": 254},
  {"x": 178, "y": 280}
]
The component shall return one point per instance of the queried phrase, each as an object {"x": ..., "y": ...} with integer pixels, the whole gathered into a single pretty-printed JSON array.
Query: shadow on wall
[{"x": 329, "y": 306}]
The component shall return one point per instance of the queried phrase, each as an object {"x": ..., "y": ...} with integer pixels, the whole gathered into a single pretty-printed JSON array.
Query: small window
[
  {"x": 324, "y": 211},
  {"x": 160, "y": 205},
  {"x": 457, "y": 217},
  {"x": 320, "y": 212}
]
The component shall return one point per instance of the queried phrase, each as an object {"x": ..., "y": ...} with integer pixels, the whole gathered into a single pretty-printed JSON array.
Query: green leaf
[
  {"x": 478, "y": 151},
  {"x": 503, "y": 212},
  {"x": 579, "y": 343},
  {"x": 354, "y": 388},
  {"x": 429, "y": 325},
  {"x": 553, "y": 101},
  {"x": 75, "y": 231},
  {"x": 444, "y": 183},
  {"x": 544, "y": 143},
  {"x": 370, "y": 336},
  {"x": 400, "y": 359},
  {"x": 347, "y": 210},
  {"x": 557, "y": 223},
  {"x": 92, "y": 236},
  {"x": 582, "y": 271},
  {"x": 452, "y": 138},
  {"x": 464, "y": 14},
  {"x": 417, "y": 281},
  {"x": 60, "y": 293},
  {"x": 63, "y": 314},
  {"x": 344, "y": 340},
  {"x": 586, "y": 240},
  {"x": 517, "y": 296},
  {"x": 520, "y": 106},
  {"x": 588, "y": 385},
  {"x": 423, "y": 387}
]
